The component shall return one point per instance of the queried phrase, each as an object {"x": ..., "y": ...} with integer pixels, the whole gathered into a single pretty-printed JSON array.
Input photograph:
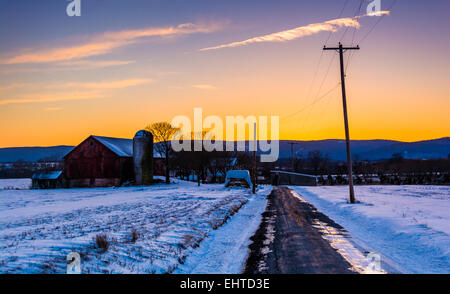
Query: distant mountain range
[
  {"x": 334, "y": 148},
  {"x": 33, "y": 154},
  {"x": 370, "y": 149}
]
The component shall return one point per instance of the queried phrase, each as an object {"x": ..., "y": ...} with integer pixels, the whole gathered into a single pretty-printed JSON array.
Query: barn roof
[
  {"x": 121, "y": 147},
  {"x": 50, "y": 175}
]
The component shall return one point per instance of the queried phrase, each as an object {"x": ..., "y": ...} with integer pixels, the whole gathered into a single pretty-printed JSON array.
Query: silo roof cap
[{"x": 143, "y": 133}]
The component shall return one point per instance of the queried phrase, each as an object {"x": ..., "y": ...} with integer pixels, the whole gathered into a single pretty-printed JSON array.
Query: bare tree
[
  {"x": 162, "y": 134},
  {"x": 201, "y": 158},
  {"x": 317, "y": 160}
]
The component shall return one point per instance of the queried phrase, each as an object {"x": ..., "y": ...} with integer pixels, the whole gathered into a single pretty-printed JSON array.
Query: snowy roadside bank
[
  {"x": 408, "y": 225},
  {"x": 225, "y": 251}
]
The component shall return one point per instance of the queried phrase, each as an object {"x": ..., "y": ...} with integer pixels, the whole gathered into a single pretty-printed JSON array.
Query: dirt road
[{"x": 288, "y": 241}]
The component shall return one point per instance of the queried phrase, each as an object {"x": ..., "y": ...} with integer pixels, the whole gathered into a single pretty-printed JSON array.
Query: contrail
[{"x": 300, "y": 32}]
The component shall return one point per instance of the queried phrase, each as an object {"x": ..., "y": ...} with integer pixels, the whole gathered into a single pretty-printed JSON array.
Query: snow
[
  {"x": 143, "y": 133},
  {"x": 226, "y": 251},
  {"x": 238, "y": 174},
  {"x": 50, "y": 175},
  {"x": 39, "y": 228},
  {"x": 409, "y": 226},
  {"x": 15, "y": 184},
  {"x": 122, "y": 147},
  {"x": 341, "y": 241}
]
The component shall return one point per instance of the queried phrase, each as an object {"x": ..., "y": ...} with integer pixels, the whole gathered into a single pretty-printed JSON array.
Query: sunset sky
[{"x": 124, "y": 64}]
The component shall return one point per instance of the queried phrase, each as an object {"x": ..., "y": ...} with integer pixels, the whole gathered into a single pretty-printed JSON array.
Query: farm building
[
  {"x": 47, "y": 180},
  {"x": 290, "y": 178},
  {"x": 104, "y": 162}
]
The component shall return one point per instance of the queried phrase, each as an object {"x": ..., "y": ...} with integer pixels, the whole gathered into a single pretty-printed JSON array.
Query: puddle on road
[{"x": 340, "y": 240}]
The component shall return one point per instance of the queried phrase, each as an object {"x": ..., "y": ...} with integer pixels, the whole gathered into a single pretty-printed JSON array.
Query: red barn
[{"x": 103, "y": 162}]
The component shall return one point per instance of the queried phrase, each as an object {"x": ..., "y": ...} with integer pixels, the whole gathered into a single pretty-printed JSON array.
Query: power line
[
  {"x": 361, "y": 2},
  {"x": 326, "y": 75},
  {"x": 318, "y": 97},
  {"x": 368, "y": 33},
  {"x": 376, "y": 23},
  {"x": 314, "y": 77},
  {"x": 312, "y": 104},
  {"x": 302, "y": 124},
  {"x": 321, "y": 56},
  {"x": 355, "y": 29},
  {"x": 318, "y": 67},
  {"x": 340, "y": 14},
  {"x": 358, "y": 12},
  {"x": 331, "y": 61}
]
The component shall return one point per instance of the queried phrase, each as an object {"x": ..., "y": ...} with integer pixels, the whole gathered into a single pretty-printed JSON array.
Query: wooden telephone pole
[
  {"x": 292, "y": 153},
  {"x": 341, "y": 50}
]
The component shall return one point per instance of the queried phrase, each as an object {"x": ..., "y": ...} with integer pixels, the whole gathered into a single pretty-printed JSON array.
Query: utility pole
[
  {"x": 292, "y": 153},
  {"x": 255, "y": 177},
  {"x": 341, "y": 50}
]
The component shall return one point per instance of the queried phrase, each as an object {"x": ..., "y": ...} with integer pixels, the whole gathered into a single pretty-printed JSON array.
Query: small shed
[
  {"x": 290, "y": 178},
  {"x": 47, "y": 180}
]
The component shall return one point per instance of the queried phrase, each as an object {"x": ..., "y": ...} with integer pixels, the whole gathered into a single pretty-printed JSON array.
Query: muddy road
[{"x": 289, "y": 242}]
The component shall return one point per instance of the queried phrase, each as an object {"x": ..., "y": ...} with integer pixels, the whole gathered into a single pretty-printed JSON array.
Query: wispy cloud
[
  {"x": 300, "y": 32},
  {"x": 67, "y": 66},
  {"x": 75, "y": 91},
  {"x": 117, "y": 84},
  {"x": 15, "y": 86},
  {"x": 109, "y": 84},
  {"x": 53, "y": 97},
  {"x": 204, "y": 87},
  {"x": 106, "y": 42},
  {"x": 90, "y": 64}
]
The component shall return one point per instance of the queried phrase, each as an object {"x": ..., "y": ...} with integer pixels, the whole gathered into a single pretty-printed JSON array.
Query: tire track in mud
[{"x": 288, "y": 240}]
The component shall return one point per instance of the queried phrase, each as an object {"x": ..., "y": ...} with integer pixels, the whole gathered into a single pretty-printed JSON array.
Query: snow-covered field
[
  {"x": 226, "y": 250},
  {"x": 39, "y": 228},
  {"x": 181, "y": 228},
  {"x": 408, "y": 225},
  {"x": 15, "y": 184}
]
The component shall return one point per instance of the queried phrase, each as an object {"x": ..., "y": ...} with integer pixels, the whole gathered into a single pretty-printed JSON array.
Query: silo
[{"x": 143, "y": 158}]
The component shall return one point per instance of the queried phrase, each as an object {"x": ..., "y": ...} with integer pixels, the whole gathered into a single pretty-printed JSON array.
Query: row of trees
[
  {"x": 199, "y": 163},
  {"x": 203, "y": 164},
  {"x": 317, "y": 163},
  {"x": 22, "y": 169}
]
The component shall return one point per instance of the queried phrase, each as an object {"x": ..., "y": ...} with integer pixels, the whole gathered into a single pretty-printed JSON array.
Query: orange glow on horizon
[{"x": 115, "y": 80}]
